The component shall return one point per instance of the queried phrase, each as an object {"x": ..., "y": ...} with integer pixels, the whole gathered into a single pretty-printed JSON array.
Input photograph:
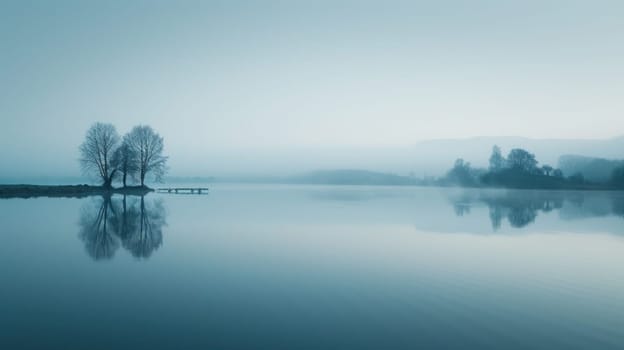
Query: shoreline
[
  {"x": 80, "y": 191},
  {"x": 68, "y": 191}
]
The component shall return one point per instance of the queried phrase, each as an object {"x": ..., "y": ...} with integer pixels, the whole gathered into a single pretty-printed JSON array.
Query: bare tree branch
[
  {"x": 97, "y": 150},
  {"x": 148, "y": 147}
]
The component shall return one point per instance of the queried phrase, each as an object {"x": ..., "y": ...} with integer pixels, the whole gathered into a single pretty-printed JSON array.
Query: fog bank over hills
[
  {"x": 438, "y": 155},
  {"x": 426, "y": 158}
]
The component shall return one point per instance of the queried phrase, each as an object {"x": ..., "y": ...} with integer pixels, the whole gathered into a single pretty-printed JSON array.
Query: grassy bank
[{"x": 71, "y": 191}]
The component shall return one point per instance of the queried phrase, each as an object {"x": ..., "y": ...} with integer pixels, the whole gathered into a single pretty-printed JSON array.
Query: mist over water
[
  {"x": 280, "y": 87},
  {"x": 277, "y": 266},
  {"x": 310, "y": 128}
]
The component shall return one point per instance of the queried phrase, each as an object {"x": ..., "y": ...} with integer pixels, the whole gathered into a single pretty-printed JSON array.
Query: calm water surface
[{"x": 314, "y": 267}]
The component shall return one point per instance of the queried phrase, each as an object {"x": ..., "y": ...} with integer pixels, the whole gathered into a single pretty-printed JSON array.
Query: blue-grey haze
[
  {"x": 274, "y": 88},
  {"x": 226, "y": 80},
  {"x": 315, "y": 267}
]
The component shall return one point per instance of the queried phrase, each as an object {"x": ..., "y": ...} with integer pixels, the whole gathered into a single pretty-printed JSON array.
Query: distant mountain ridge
[{"x": 422, "y": 159}]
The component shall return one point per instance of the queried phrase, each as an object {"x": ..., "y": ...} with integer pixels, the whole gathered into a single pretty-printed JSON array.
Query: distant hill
[
  {"x": 593, "y": 169},
  {"x": 426, "y": 158}
]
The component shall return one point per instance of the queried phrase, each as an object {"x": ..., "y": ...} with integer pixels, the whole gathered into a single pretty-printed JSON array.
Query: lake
[{"x": 314, "y": 267}]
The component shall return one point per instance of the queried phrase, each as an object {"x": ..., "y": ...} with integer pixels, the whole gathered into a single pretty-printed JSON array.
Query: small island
[
  {"x": 109, "y": 158},
  {"x": 72, "y": 191},
  {"x": 128, "y": 160}
]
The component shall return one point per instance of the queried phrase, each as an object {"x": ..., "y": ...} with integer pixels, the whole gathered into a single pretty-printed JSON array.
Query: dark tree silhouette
[
  {"x": 522, "y": 160},
  {"x": 520, "y": 170},
  {"x": 576, "y": 179},
  {"x": 497, "y": 161},
  {"x": 95, "y": 230},
  {"x": 547, "y": 170},
  {"x": 97, "y": 150},
  {"x": 617, "y": 178},
  {"x": 148, "y": 147},
  {"x": 126, "y": 161}
]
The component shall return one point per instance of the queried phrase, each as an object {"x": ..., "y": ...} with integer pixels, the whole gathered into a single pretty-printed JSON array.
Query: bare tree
[
  {"x": 126, "y": 161},
  {"x": 148, "y": 146},
  {"x": 96, "y": 152}
]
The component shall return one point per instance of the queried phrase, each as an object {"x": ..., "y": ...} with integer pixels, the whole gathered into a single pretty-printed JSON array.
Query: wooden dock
[{"x": 183, "y": 190}]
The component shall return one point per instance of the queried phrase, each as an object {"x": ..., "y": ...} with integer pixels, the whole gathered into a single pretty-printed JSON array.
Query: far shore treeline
[
  {"x": 520, "y": 169},
  {"x": 137, "y": 155},
  {"x": 110, "y": 157}
]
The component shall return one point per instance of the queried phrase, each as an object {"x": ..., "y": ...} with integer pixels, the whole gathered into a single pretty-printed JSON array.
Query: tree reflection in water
[
  {"x": 146, "y": 236},
  {"x": 521, "y": 207},
  {"x": 99, "y": 239},
  {"x": 618, "y": 206},
  {"x": 134, "y": 221}
]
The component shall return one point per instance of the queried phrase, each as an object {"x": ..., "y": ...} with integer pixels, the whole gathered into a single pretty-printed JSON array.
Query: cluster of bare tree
[{"x": 135, "y": 155}]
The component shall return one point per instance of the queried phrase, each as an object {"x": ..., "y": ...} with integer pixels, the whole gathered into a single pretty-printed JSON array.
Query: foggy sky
[{"x": 246, "y": 77}]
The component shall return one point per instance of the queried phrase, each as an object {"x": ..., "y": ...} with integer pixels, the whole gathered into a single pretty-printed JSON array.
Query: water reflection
[
  {"x": 618, "y": 206},
  {"x": 521, "y": 208},
  {"x": 136, "y": 223}
]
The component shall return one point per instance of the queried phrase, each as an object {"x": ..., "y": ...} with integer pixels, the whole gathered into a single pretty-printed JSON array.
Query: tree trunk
[
  {"x": 124, "y": 179},
  {"x": 108, "y": 183}
]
